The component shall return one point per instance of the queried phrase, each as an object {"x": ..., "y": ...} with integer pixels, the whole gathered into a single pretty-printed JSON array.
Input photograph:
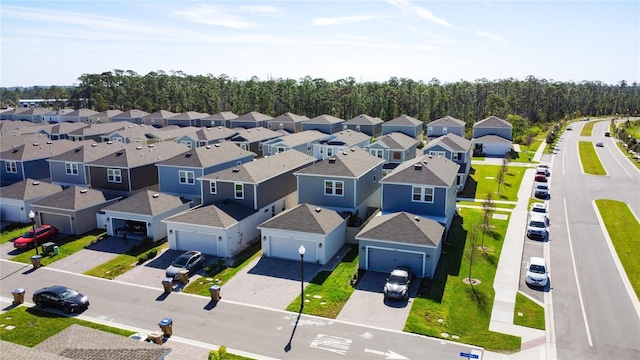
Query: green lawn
[
  {"x": 623, "y": 229},
  {"x": 127, "y": 261},
  {"x": 624, "y": 152},
  {"x": 481, "y": 181},
  {"x": 327, "y": 293},
  {"x": 589, "y": 159},
  {"x": 532, "y": 313},
  {"x": 465, "y": 311},
  {"x": 479, "y": 203},
  {"x": 587, "y": 129},
  {"x": 13, "y": 231},
  {"x": 67, "y": 246}
]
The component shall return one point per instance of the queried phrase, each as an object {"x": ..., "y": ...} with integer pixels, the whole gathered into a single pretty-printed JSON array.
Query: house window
[
  {"x": 188, "y": 143},
  {"x": 422, "y": 194},
  {"x": 436, "y": 153},
  {"x": 458, "y": 156},
  {"x": 213, "y": 187},
  {"x": 397, "y": 155},
  {"x": 429, "y": 129},
  {"x": 459, "y": 180},
  {"x": 203, "y": 143},
  {"x": 281, "y": 149},
  {"x": 357, "y": 127},
  {"x": 281, "y": 126},
  {"x": 269, "y": 125},
  {"x": 118, "y": 139},
  {"x": 344, "y": 126},
  {"x": 186, "y": 177},
  {"x": 114, "y": 175},
  {"x": 239, "y": 194},
  {"x": 11, "y": 167},
  {"x": 329, "y": 151},
  {"x": 309, "y": 147},
  {"x": 72, "y": 168},
  {"x": 243, "y": 146},
  {"x": 334, "y": 188},
  {"x": 444, "y": 129},
  {"x": 377, "y": 152}
]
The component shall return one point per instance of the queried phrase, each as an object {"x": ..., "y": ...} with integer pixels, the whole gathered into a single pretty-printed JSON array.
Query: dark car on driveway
[
  {"x": 60, "y": 297},
  {"x": 43, "y": 234},
  {"x": 398, "y": 283},
  {"x": 191, "y": 260}
]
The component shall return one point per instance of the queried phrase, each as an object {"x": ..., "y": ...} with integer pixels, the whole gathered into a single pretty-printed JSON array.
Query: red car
[
  {"x": 44, "y": 233},
  {"x": 541, "y": 177}
]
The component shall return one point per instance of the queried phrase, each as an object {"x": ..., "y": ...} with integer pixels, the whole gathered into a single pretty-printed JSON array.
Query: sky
[{"x": 48, "y": 43}]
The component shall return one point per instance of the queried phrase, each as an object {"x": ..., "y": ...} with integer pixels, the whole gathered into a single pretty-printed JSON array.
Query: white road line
[
  {"x": 575, "y": 273},
  {"x": 618, "y": 161}
]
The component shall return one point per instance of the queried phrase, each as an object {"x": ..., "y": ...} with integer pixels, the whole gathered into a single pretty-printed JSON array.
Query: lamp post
[
  {"x": 301, "y": 251},
  {"x": 32, "y": 216}
]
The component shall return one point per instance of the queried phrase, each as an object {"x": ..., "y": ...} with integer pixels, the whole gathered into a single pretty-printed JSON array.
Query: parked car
[
  {"x": 543, "y": 168},
  {"x": 607, "y": 134},
  {"x": 60, "y": 297},
  {"x": 599, "y": 144},
  {"x": 191, "y": 260},
  {"x": 541, "y": 176},
  {"x": 43, "y": 234},
  {"x": 537, "y": 227},
  {"x": 541, "y": 191},
  {"x": 569, "y": 127},
  {"x": 537, "y": 273},
  {"x": 539, "y": 208},
  {"x": 398, "y": 283}
]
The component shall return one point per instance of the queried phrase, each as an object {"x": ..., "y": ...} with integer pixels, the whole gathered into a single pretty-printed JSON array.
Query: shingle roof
[
  {"x": 174, "y": 133},
  {"x": 207, "y": 156},
  {"x": 302, "y": 137},
  {"x": 66, "y": 128},
  {"x": 364, "y": 119},
  {"x": 7, "y": 125},
  {"x": 351, "y": 137},
  {"x": 160, "y": 114},
  {"x": 324, "y": 119},
  {"x": 352, "y": 163},
  {"x": 29, "y": 189},
  {"x": 146, "y": 202},
  {"x": 305, "y": 218},
  {"x": 222, "y": 214},
  {"x": 223, "y": 115},
  {"x": 79, "y": 113},
  {"x": 491, "y": 139},
  {"x": 41, "y": 150},
  {"x": 132, "y": 114},
  {"x": 214, "y": 133},
  {"x": 189, "y": 115},
  {"x": 290, "y": 118},
  {"x": 15, "y": 351},
  {"x": 403, "y": 120},
  {"x": 85, "y": 153},
  {"x": 396, "y": 140},
  {"x": 108, "y": 113},
  {"x": 403, "y": 227},
  {"x": 98, "y": 129},
  {"x": 447, "y": 121},
  {"x": 253, "y": 116},
  {"x": 11, "y": 141},
  {"x": 264, "y": 168},
  {"x": 493, "y": 122},
  {"x": 35, "y": 111},
  {"x": 255, "y": 134},
  {"x": 450, "y": 141},
  {"x": 75, "y": 198},
  {"x": 424, "y": 170},
  {"x": 130, "y": 130},
  {"x": 132, "y": 155}
]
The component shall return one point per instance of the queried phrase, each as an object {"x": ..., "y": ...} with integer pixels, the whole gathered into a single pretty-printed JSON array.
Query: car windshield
[
  {"x": 398, "y": 280},
  {"x": 181, "y": 261},
  {"x": 542, "y": 187},
  {"x": 28, "y": 235},
  {"x": 537, "y": 269},
  {"x": 538, "y": 209},
  {"x": 537, "y": 224},
  {"x": 67, "y": 294}
]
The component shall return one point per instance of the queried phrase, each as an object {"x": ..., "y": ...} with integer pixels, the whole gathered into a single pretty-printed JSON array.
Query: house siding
[
  {"x": 396, "y": 198},
  {"x": 169, "y": 180},
  {"x": 36, "y": 169},
  {"x": 276, "y": 188},
  {"x": 414, "y": 132},
  {"x": 246, "y": 124},
  {"x": 10, "y": 178},
  {"x": 325, "y": 128},
  {"x": 371, "y": 130},
  {"x": 98, "y": 180},
  {"x": 502, "y": 132},
  {"x": 144, "y": 176},
  {"x": 312, "y": 192},
  {"x": 58, "y": 174},
  {"x": 439, "y": 130}
]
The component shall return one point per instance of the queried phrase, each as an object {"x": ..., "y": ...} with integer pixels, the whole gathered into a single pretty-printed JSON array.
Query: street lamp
[
  {"x": 32, "y": 216},
  {"x": 301, "y": 251}
]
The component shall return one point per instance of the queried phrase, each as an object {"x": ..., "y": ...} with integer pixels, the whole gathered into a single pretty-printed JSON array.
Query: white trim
[
  {"x": 423, "y": 194},
  {"x": 333, "y": 187}
]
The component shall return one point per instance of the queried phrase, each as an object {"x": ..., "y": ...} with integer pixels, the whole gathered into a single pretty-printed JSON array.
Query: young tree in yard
[
  {"x": 487, "y": 210},
  {"x": 528, "y": 141},
  {"x": 472, "y": 249},
  {"x": 500, "y": 177}
]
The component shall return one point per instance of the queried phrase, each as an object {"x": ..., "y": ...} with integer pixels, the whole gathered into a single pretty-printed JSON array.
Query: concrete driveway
[{"x": 367, "y": 305}]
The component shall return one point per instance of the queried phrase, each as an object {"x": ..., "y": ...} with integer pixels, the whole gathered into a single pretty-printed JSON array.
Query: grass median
[
  {"x": 528, "y": 313},
  {"x": 589, "y": 159},
  {"x": 623, "y": 229},
  {"x": 587, "y": 129}
]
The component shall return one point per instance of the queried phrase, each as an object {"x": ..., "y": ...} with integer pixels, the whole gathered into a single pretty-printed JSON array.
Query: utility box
[
  {"x": 183, "y": 276},
  {"x": 156, "y": 337},
  {"x": 56, "y": 250},
  {"x": 47, "y": 248},
  {"x": 215, "y": 292},
  {"x": 166, "y": 325},
  {"x": 167, "y": 283},
  {"x": 18, "y": 296},
  {"x": 36, "y": 260}
]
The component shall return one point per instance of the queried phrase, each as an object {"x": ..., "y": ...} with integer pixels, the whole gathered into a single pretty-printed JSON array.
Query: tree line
[{"x": 536, "y": 100}]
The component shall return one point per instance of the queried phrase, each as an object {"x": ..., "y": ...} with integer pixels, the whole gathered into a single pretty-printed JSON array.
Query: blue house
[
  {"x": 250, "y": 120},
  {"x": 301, "y": 141},
  {"x": 252, "y": 139},
  {"x": 134, "y": 116},
  {"x": 188, "y": 118},
  {"x": 159, "y": 118},
  {"x": 204, "y": 136},
  {"x": 70, "y": 168},
  {"x": 394, "y": 148},
  {"x": 289, "y": 122},
  {"x": 405, "y": 124},
  {"x": 340, "y": 141},
  {"x": 366, "y": 124},
  {"x": 348, "y": 181},
  {"x": 492, "y": 137},
  {"x": 445, "y": 125},
  {"x": 218, "y": 119},
  {"x": 424, "y": 186},
  {"x": 179, "y": 175},
  {"x": 454, "y": 148},
  {"x": 326, "y": 123}
]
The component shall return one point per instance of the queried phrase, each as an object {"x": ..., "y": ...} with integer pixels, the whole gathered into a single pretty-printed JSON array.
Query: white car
[
  {"x": 537, "y": 227},
  {"x": 537, "y": 273},
  {"x": 543, "y": 167},
  {"x": 539, "y": 208}
]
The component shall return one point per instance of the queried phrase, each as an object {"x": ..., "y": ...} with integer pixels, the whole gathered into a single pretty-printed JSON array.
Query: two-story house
[
  {"x": 252, "y": 139},
  {"x": 218, "y": 119},
  {"x": 180, "y": 174},
  {"x": 204, "y": 136},
  {"x": 70, "y": 167},
  {"x": 289, "y": 122},
  {"x": 80, "y": 115},
  {"x": 187, "y": 118},
  {"x": 94, "y": 131},
  {"x": 62, "y": 130},
  {"x": 54, "y": 116},
  {"x": 492, "y": 137},
  {"x": 301, "y": 141},
  {"x": 103, "y": 117},
  {"x": 456, "y": 149},
  {"x": 365, "y": 124},
  {"x": 404, "y": 124},
  {"x": 325, "y": 123},
  {"x": 134, "y": 116},
  {"x": 34, "y": 115},
  {"x": 443, "y": 126},
  {"x": 159, "y": 118},
  {"x": 250, "y": 120},
  {"x": 394, "y": 148},
  {"x": 337, "y": 142}
]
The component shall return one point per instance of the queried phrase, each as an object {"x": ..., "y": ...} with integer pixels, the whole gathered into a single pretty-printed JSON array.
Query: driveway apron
[{"x": 94, "y": 255}]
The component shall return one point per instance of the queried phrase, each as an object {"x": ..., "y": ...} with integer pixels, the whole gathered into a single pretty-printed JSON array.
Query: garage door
[
  {"x": 496, "y": 149},
  {"x": 287, "y": 248},
  {"x": 62, "y": 222},
  {"x": 10, "y": 213},
  {"x": 384, "y": 260},
  {"x": 189, "y": 240}
]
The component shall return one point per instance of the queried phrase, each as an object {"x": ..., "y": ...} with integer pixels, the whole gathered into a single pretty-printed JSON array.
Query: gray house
[
  {"x": 34, "y": 115},
  {"x": 301, "y": 141},
  {"x": 16, "y": 199},
  {"x": 252, "y": 139},
  {"x": 188, "y": 118},
  {"x": 94, "y": 131},
  {"x": 159, "y": 118},
  {"x": 103, "y": 117},
  {"x": 218, "y": 119},
  {"x": 425, "y": 186},
  {"x": 204, "y": 136},
  {"x": 63, "y": 130},
  {"x": 340, "y": 141},
  {"x": 73, "y": 210},
  {"x": 445, "y": 125},
  {"x": 141, "y": 214},
  {"x": 394, "y": 148},
  {"x": 405, "y": 124},
  {"x": 366, "y": 124},
  {"x": 401, "y": 239},
  {"x": 289, "y": 122},
  {"x": 180, "y": 174},
  {"x": 134, "y": 116},
  {"x": 492, "y": 137},
  {"x": 454, "y": 148},
  {"x": 320, "y": 230},
  {"x": 325, "y": 123},
  {"x": 70, "y": 168},
  {"x": 346, "y": 182},
  {"x": 250, "y": 120},
  {"x": 80, "y": 115}
]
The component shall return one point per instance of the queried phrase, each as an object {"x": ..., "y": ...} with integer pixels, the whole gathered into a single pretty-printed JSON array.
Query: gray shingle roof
[
  {"x": 255, "y": 134},
  {"x": 160, "y": 114},
  {"x": 29, "y": 189},
  {"x": 98, "y": 129},
  {"x": 302, "y": 137},
  {"x": 35, "y": 111},
  {"x": 215, "y": 133},
  {"x": 290, "y": 118},
  {"x": 493, "y": 122},
  {"x": 132, "y": 155},
  {"x": 75, "y": 198},
  {"x": 364, "y": 119},
  {"x": 447, "y": 121},
  {"x": 66, "y": 128},
  {"x": 108, "y": 113},
  {"x": 78, "y": 113},
  {"x": 450, "y": 141},
  {"x": 352, "y": 163},
  {"x": 222, "y": 214},
  {"x": 305, "y": 218},
  {"x": 223, "y": 115},
  {"x": 324, "y": 119},
  {"x": 405, "y": 120},
  {"x": 207, "y": 156},
  {"x": 490, "y": 139},
  {"x": 253, "y": 116},
  {"x": 146, "y": 202},
  {"x": 85, "y": 153},
  {"x": 41, "y": 150},
  {"x": 189, "y": 115},
  {"x": 424, "y": 170},
  {"x": 403, "y": 227},
  {"x": 132, "y": 114},
  {"x": 11, "y": 141},
  {"x": 397, "y": 140},
  {"x": 351, "y": 137},
  {"x": 264, "y": 168}
]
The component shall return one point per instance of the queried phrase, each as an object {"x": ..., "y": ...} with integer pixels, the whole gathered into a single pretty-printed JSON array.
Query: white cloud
[
  {"x": 406, "y": 5},
  {"x": 495, "y": 37},
  {"x": 260, "y": 9},
  {"x": 342, "y": 20},
  {"x": 211, "y": 15}
]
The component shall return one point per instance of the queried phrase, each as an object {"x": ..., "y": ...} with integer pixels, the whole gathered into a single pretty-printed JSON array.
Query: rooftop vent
[
  {"x": 332, "y": 160},
  {"x": 353, "y": 149},
  {"x": 83, "y": 191},
  {"x": 417, "y": 218},
  {"x": 35, "y": 183},
  {"x": 94, "y": 145},
  {"x": 235, "y": 170},
  {"x": 109, "y": 142},
  {"x": 77, "y": 150},
  {"x": 219, "y": 127},
  {"x": 318, "y": 209},
  {"x": 344, "y": 153},
  {"x": 138, "y": 147},
  {"x": 49, "y": 142},
  {"x": 155, "y": 196},
  {"x": 417, "y": 167},
  {"x": 188, "y": 154},
  {"x": 150, "y": 145},
  {"x": 217, "y": 145},
  {"x": 208, "y": 146},
  {"x": 430, "y": 157},
  {"x": 36, "y": 144}
]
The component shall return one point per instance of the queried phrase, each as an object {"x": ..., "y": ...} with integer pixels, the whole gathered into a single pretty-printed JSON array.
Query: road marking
[
  {"x": 389, "y": 354},
  {"x": 618, "y": 161},
  {"x": 331, "y": 343},
  {"x": 575, "y": 273}
]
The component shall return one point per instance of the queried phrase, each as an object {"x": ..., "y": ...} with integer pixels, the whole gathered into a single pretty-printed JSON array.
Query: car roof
[
  {"x": 537, "y": 217},
  {"x": 539, "y": 205},
  {"x": 534, "y": 260},
  {"x": 401, "y": 271},
  {"x": 54, "y": 289}
]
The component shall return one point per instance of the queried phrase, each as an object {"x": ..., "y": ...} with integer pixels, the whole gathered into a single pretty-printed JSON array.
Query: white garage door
[
  {"x": 496, "y": 149},
  {"x": 189, "y": 240},
  {"x": 287, "y": 248},
  {"x": 10, "y": 213},
  {"x": 384, "y": 260},
  {"x": 62, "y": 222}
]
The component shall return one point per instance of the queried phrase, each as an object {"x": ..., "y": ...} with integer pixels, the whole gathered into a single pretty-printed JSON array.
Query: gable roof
[
  {"x": 221, "y": 214},
  {"x": 396, "y": 140},
  {"x": 491, "y": 139},
  {"x": 493, "y": 122},
  {"x": 189, "y": 115},
  {"x": 324, "y": 119},
  {"x": 447, "y": 121},
  {"x": 403, "y": 227},
  {"x": 146, "y": 202},
  {"x": 98, "y": 129},
  {"x": 75, "y": 198},
  {"x": 132, "y": 114},
  {"x": 160, "y": 114},
  {"x": 403, "y": 120},
  {"x": 65, "y": 127},
  {"x": 35, "y": 111},
  {"x": 29, "y": 189},
  {"x": 38, "y": 150},
  {"x": 255, "y": 134},
  {"x": 305, "y": 218},
  {"x": 207, "y": 156},
  {"x": 352, "y": 163},
  {"x": 424, "y": 170},
  {"x": 351, "y": 137},
  {"x": 298, "y": 138},
  {"x": 253, "y": 116},
  {"x": 364, "y": 119},
  {"x": 263, "y": 169},
  {"x": 107, "y": 113},
  {"x": 215, "y": 133},
  {"x": 223, "y": 115},
  {"x": 290, "y": 118},
  {"x": 450, "y": 141},
  {"x": 12, "y": 141},
  {"x": 133, "y": 155},
  {"x": 79, "y": 113},
  {"x": 84, "y": 153}
]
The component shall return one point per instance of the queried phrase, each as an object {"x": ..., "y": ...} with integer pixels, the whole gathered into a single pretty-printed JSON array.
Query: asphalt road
[{"x": 594, "y": 313}]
